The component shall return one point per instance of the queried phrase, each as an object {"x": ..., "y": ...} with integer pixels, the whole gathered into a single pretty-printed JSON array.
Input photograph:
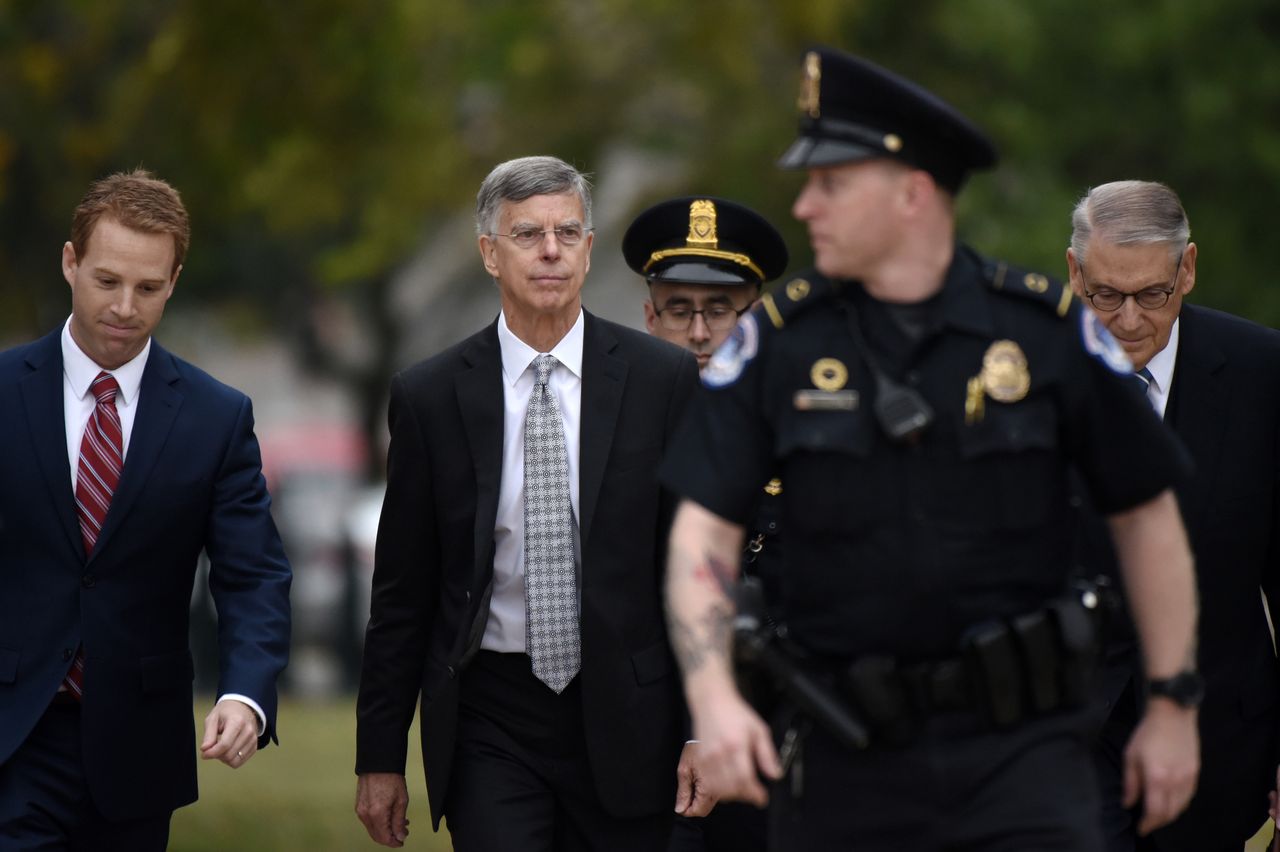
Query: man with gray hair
[
  {"x": 518, "y": 567},
  {"x": 1215, "y": 379}
]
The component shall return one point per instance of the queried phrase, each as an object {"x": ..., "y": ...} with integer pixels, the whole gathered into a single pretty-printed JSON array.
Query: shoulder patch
[
  {"x": 1048, "y": 291},
  {"x": 732, "y": 356},
  {"x": 1099, "y": 343}
]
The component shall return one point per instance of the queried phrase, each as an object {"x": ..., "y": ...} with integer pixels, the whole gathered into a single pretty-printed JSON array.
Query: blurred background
[{"x": 329, "y": 153}]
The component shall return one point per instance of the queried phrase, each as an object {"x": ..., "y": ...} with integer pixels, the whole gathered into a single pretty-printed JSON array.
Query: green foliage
[{"x": 315, "y": 143}]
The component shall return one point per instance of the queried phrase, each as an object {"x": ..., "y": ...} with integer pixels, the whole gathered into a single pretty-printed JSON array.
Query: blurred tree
[{"x": 318, "y": 144}]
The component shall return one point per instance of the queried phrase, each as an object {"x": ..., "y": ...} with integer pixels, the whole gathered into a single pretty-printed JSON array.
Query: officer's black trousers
[{"x": 958, "y": 787}]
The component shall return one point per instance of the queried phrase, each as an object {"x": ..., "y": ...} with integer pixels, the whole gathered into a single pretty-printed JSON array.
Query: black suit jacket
[
  {"x": 192, "y": 480},
  {"x": 1224, "y": 404},
  {"x": 434, "y": 560}
]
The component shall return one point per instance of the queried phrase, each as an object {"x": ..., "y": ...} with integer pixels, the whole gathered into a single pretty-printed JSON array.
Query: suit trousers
[
  {"x": 1120, "y": 824},
  {"x": 45, "y": 802},
  {"x": 521, "y": 776}
]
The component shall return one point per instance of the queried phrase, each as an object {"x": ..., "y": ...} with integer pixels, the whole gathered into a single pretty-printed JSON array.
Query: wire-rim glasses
[
  {"x": 1108, "y": 300},
  {"x": 717, "y": 317},
  {"x": 527, "y": 236}
]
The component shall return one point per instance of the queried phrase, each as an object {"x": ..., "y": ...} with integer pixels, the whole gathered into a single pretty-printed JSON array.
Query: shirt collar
[
  {"x": 962, "y": 304},
  {"x": 81, "y": 370},
  {"x": 518, "y": 355},
  {"x": 1161, "y": 364}
]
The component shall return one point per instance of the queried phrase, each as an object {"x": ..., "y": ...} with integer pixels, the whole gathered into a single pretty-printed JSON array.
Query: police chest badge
[
  {"x": 728, "y": 360},
  {"x": 828, "y": 393},
  {"x": 1004, "y": 372},
  {"x": 1099, "y": 343}
]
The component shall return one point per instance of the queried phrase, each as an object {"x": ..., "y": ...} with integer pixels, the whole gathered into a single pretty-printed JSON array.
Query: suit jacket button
[
  {"x": 66, "y": 654},
  {"x": 87, "y": 581},
  {"x": 451, "y": 672},
  {"x": 468, "y": 596}
]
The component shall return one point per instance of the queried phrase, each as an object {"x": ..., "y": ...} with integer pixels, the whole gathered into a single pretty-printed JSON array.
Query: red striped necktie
[{"x": 97, "y": 475}]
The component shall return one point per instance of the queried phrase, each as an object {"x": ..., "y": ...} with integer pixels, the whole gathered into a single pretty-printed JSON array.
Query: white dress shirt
[
  {"x": 1161, "y": 368},
  {"x": 78, "y": 373},
  {"x": 505, "y": 629}
]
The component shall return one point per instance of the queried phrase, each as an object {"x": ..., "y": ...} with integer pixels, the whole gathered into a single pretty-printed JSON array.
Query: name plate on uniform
[{"x": 820, "y": 400}]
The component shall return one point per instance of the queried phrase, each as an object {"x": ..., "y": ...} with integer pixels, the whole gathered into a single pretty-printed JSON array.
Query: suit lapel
[
  {"x": 604, "y": 376},
  {"x": 1197, "y": 401},
  {"x": 41, "y": 392},
  {"x": 158, "y": 404},
  {"x": 480, "y": 401}
]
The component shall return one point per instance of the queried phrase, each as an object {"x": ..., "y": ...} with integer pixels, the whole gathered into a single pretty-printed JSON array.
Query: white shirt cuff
[{"x": 253, "y": 705}]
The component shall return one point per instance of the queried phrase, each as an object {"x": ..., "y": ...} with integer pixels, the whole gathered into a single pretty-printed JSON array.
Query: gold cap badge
[
  {"x": 810, "y": 86},
  {"x": 1004, "y": 372},
  {"x": 702, "y": 225}
]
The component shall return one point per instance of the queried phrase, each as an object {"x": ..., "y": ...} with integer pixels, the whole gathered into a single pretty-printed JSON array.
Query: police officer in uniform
[
  {"x": 705, "y": 260},
  {"x": 923, "y": 405}
]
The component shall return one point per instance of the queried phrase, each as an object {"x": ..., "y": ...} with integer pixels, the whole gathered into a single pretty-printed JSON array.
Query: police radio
[{"x": 903, "y": 414}]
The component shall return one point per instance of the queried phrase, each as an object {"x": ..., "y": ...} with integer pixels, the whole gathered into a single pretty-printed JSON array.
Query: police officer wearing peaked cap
[
  {"x": 702, "y": 239},
  {"x": 923, "y": 405},
  {"x": 705, "y": 260}
]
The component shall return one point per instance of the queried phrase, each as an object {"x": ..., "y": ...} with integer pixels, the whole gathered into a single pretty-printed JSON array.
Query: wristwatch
[{"x": 1186, "y": 688}]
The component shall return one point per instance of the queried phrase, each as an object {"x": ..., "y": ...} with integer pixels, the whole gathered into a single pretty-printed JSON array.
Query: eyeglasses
[
  {"x": 717, "y": 317},
  {"x": 528, "y": 237},
  {"x": 1151, "y": 298}
]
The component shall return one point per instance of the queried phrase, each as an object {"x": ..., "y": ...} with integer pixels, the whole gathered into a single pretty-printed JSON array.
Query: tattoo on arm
[
  {"x": 711, "y": 633},
  {"x": 707, "y": 638}
]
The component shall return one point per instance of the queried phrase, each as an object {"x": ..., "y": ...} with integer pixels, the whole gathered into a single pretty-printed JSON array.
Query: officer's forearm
[
  {"x": 1160, "y": 583},
  {"x": 702, "y": 564}
]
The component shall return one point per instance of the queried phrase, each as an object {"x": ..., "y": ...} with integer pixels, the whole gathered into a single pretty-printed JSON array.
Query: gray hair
[
  {"x": 517, "y": 180},
  {"x": 1129, "y": 212}
]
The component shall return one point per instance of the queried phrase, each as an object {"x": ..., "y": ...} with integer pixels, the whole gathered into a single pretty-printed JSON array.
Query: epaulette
[
  {"x": 1049, "y": 292},
  {"x": 786, "y": 301}
]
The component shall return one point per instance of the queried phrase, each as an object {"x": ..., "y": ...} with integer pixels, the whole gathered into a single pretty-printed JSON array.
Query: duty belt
[{"x": 1007, "y": 670}]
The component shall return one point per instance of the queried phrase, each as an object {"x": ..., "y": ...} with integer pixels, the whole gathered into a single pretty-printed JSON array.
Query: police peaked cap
[
  {"x": 852, "y": 109},
  {"x": 704, "y": 240}
]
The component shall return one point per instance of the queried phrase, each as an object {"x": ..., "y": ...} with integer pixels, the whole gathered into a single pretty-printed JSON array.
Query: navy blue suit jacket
[{"x": 192, "y": 481}]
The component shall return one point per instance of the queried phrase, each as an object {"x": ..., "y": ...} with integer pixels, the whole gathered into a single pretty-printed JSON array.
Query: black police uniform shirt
[{"x": 899, "y": 548}]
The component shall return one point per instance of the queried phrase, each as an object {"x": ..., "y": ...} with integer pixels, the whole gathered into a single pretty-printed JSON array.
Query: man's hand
[
  {"x": 230, "y": 733},
  {"x": 692, "y": 797},
  {"x": 1161, "y": 763},
  {"x": 382, "y": 803},
  {"x": 735, "y": 748}
]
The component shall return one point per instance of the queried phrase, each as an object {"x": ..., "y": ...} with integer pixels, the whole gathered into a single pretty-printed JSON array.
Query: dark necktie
[
  {"x": 97, "y": 475},
  {"x": 1142, "y": 379},
  {"x": 1144, "y": 376},
  {"x": 550, "y": 587}
]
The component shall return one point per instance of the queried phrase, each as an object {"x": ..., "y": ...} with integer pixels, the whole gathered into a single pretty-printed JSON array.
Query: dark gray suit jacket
[
  {"x": 434, "y": 560},
  {"x": 1224, "y": 404}
]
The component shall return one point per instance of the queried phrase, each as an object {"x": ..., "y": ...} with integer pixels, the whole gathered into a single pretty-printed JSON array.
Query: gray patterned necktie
[{"x": 550, "y": 592}]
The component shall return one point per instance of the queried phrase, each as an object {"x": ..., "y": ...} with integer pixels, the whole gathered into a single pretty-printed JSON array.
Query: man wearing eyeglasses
[
  {"x": 705, "y": 261},
  {"x": 1215, "y": 379},
  {"x": 518, "y": 571}
]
